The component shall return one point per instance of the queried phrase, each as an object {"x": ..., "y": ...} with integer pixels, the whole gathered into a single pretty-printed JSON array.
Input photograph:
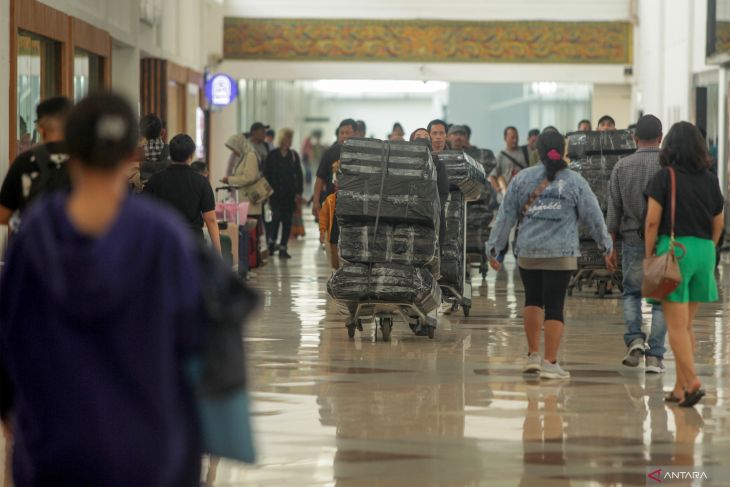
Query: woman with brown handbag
[{"x": 689, "y": 226}]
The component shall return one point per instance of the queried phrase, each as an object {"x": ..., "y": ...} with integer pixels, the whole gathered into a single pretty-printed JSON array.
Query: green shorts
[{"x": 698, "y": 270}]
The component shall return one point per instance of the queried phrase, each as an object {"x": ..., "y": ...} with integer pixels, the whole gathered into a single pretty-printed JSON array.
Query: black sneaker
[{"x": 283, "y": 254}]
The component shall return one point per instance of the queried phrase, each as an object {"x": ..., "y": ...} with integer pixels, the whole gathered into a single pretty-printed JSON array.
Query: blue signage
[{"x": 220, "y": 90}]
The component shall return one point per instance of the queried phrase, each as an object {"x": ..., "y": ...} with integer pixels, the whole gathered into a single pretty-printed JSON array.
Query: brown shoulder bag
[{"x": 661, "y": 273}]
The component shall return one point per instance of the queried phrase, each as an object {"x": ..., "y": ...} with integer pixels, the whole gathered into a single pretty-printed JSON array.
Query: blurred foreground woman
[{"x": 100, "y": 306}]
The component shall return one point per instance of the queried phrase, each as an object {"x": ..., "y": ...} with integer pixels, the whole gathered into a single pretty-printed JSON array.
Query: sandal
[
  {"x": 670, "y": 397},
  {"x": 691, "y": 398}
]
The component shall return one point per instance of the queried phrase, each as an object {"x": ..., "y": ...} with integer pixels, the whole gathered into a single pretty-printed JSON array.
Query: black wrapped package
[
  {"x": 582, "y": 144},
  {"x": 479, "y": 215},
  {"x": 465, "y": 173},
  {"x": 393, "y": 180},
  {"x": 397, "y": 244},
  {"x": 452, "y": 248},
  {"x": 596, "y": 170},
  {"x": 392, "y": 283},
  {"x": 483, "y": 156}
]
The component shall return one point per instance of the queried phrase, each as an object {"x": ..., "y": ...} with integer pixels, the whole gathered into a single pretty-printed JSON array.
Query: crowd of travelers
[{"x": 103, "y": 297}]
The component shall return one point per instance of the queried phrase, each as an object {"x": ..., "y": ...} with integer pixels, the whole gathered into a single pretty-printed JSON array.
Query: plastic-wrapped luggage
[
  {"x": 581, "y": 144},
  {"x": 596, "y": 170},
  {"x": 464, "y": 173},
  {"x": 483, "y": 156},
  {"x": 452, "y": 249},
  {"x": 393, "y": 180},
  {"x": 479, "y": 215},
  {"x": 398, "y": 244},
  {"x": 385, "y": 282}
]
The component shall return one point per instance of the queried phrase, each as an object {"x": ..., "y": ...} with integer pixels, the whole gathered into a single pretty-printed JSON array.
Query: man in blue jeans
[{"x": 626, "y": 209}]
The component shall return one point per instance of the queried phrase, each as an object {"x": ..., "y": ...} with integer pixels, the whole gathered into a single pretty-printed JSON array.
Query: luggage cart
[
  {"x": 592, "y": 272},
  {"x": 230, "y": 211},
  {"x": 451, "y": 294},
  {"x": 384, "y": 314}
]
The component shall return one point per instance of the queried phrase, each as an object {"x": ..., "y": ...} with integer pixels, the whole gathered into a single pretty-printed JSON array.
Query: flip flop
[
  {"x": 670, "y": 397},
  {"x": 691, "y": 398}
]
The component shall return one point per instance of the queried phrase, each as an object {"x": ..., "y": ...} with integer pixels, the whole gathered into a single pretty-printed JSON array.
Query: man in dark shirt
[
  {"x": 40, "y": 169},
  {"x": 186, "y": 190},
  {"x": 324, "y": 186}
]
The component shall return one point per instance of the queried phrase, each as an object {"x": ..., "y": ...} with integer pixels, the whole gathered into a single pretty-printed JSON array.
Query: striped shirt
[{"x": 626, "y": 199}]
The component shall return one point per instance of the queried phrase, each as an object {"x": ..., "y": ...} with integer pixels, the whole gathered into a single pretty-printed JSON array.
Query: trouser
[
  {"x": 333, "y": 255},
  {"x": 633, "y": 271},
  {"x": 546, "y": 290},
  {"x": 280, "y": 217}
]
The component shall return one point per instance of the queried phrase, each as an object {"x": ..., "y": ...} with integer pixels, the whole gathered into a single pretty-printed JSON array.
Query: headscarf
[{"x": 239, "y": 144}]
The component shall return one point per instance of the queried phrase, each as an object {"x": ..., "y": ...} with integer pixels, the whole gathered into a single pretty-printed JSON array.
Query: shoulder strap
[
  {"x": 673, "y": 203},
  {"x": 526, "y": 155},
  {"x": 42, "y": 159},
  {"x": 533, "y": 198},
  {"x": 514, "y": 161}
]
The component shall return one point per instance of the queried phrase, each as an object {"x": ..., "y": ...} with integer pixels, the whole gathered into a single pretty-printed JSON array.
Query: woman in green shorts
[{"x": 699, "y": 221}]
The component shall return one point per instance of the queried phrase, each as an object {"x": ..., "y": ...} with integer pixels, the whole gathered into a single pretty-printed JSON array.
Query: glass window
[
  {"x": 39, "y": 77},
  {"x": 88, "y": 73}
]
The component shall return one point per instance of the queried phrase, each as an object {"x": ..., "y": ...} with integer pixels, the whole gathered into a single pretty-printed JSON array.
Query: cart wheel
[
  {"x": 466, "y": 309},
  {"x": 386, "y": 325},
  {"x": 431, "y": 332},
  {"x": 601, "y": 289},
  {"x": 351, "y": 331}
]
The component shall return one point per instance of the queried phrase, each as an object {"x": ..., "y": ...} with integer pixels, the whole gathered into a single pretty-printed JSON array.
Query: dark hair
[
  {"x": 546, "y": 142},
  {"x": 585, "y": 120},
  {"x": 413, "y": 134},
  {"x": 607, "y": 118},
  {"x": 436, "y": 121},
  {"x": 101, "y": 131},
  {"x": 181, "y": 148},
  {"x": 507, "y": 129},
  {"x": 648, "y": 128},
  {"x": 549, "y": 128},
  {"x": 150, "y": 126},
  {"x": 271, "y": 133},
  {"x": 468, "y": 131},
  {"x": 684, "y": 147},
  {"x": 397, "y": 125},
  {"x": 58, "y": 106},
  {"x": 199, "y": 166},
  {"x": 361, "y": 126},
  {"x": 348, "y": 121},
  {"x": 533, "y": 132}
]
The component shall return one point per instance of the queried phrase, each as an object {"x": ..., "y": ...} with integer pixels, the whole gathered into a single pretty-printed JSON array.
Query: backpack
[
  {"x": 148, "y": 168},
  {"x": 52, "y": 175}
]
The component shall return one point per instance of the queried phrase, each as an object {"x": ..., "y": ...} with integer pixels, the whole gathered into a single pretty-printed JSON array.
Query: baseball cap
[
  {"x": 455, "y": 129},
  {"x": 258, "y": 126}
]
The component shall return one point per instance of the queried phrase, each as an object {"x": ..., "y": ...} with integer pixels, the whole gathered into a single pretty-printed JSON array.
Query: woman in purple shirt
[{"x": 100, "y": 306}]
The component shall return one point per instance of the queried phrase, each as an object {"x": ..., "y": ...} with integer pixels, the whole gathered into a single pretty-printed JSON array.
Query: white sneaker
[
  {"x": 654, "y": 365},
  {"x": 533, "y": 363},
  {"x": 553, "y": 371}
]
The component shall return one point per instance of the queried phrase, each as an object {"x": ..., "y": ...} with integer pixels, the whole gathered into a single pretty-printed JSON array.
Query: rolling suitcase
[{"x": 243, "y": 251}]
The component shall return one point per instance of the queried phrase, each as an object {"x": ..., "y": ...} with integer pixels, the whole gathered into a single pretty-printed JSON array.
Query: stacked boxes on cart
[
  {"x": 480, "y": 213},
  {"x": 388, "y": 214},
  {"x": 468, "y": 182},
  {"x": 594, "y": 155}
]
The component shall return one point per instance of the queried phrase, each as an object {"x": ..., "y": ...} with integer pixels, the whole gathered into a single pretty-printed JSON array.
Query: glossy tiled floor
[{"x": 456, "y": 410}]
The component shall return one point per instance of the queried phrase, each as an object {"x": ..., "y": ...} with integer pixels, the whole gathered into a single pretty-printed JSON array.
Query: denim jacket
[{"x": 550, "y": 227}]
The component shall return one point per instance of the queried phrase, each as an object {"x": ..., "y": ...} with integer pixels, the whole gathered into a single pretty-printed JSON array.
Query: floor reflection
[{"x": 456, "y": 410}]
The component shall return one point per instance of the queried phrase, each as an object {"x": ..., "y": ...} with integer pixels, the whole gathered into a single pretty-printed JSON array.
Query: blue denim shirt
[{"x": 550, "y": 227}]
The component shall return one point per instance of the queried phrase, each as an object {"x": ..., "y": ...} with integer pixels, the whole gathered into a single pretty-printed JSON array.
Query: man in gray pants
[{"x": 626, "y": 210}]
